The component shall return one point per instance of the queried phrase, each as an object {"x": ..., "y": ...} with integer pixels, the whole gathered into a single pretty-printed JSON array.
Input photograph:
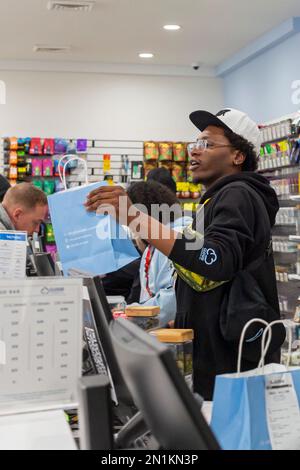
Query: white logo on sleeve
[{"x": 208, "y": 255}]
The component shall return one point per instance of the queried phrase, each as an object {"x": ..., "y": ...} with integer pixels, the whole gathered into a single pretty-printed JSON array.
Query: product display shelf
[
  {"x": 121, "y": 159},
  {"x": 280, "y": 164}
]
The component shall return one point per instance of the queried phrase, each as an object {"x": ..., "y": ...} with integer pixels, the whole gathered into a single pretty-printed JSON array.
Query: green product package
[
  {"x": 49, "y": 187},
  {"x": 39, "y": 184},
  {"x": 49, "y": 234},
  {"x": 269, "y": 148}
]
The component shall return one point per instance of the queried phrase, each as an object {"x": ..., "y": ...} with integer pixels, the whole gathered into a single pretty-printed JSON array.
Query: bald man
[{"x": 24, "y": 208}]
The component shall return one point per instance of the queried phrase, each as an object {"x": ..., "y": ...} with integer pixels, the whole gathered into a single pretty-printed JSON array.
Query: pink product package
[
  {"x": 47, "y": 167},
  {"x": 52, "y": 250},
  {"x": 37, "y": 167}
]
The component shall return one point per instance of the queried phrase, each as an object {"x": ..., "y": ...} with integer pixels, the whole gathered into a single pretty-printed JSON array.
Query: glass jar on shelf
[
  {"x": 143, "y": 316},
  {"x": 181, "y": 344}
]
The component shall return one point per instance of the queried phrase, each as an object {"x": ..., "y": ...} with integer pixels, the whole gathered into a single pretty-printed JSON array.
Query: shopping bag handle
[
  {"x": 266, "y": 343},
  {"x": 242, "y": 338},
  {"x": 73, "y": 158},
  {"x": 60, "y": 164}
]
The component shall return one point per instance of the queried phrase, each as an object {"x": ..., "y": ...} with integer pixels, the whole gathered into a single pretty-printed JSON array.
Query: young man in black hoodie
[{"x": 239, "y": 211}]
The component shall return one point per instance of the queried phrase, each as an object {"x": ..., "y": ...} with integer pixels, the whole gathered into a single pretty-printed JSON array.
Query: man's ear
[
  {"x": 239, "y": 159},
  {"x": 17, "y": 213}
]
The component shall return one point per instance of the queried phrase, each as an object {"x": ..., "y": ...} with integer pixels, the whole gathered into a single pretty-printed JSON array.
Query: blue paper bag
[
  {"x": 239, "y": 418},
  {"x": 88, "y": 242}
]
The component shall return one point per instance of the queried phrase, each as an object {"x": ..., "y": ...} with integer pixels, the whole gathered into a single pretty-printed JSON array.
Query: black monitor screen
[
  {"x": 159, "y": 390},
  {"x": 101, "y": 317},
  {"x": 97, "y": 363},
  {"x": 44, "y": 264}
]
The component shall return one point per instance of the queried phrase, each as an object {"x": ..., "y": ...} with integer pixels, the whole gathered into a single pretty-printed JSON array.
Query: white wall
[
  {"x": 263, "y": 87},
  {"x": 104, "y": 106}
]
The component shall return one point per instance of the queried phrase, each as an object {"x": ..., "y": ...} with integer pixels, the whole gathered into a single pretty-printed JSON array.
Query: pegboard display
[{"x": 122, "y": 161}]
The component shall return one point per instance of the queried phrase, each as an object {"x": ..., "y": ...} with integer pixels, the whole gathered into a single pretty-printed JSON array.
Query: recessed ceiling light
[
  {"x": 146, "y": 55},
  {"x": 172, "y": 27}
]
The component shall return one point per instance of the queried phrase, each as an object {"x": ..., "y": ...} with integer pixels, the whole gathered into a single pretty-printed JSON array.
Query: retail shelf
[
  {"x": 294, "y": 238},
  {"x": 280, "y": 224},
  {"x": 295, "y": 197},
  {"x": 287, "y": 176},
  {"x": 279, "y": 139},
  {"x": 269, "y": 170}
]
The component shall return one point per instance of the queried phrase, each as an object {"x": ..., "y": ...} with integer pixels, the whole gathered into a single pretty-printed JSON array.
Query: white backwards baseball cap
[{"x": 232, "y": 120}]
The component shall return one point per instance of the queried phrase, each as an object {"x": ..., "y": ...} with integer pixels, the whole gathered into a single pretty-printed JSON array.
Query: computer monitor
[
  {"x": 94, "y": 359},
  {"x": 159, "y": 390},
  {"x": 44, "y": 264},
  {"x": 103, "y": 299},
  {"x": 102, "y": 315}
]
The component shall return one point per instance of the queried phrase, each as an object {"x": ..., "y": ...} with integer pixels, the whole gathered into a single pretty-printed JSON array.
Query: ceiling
[{"x": 117, "y": 30}]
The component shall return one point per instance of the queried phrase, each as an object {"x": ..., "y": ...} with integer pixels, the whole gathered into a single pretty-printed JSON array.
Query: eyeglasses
[{"x": 202, "y": 144}]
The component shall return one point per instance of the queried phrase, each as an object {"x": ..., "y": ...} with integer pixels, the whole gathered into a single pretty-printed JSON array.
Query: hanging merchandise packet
[{"x": 88, "y": 242}]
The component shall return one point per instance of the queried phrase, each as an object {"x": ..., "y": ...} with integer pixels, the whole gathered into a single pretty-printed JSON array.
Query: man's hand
[{"x": 112, "y": 200}]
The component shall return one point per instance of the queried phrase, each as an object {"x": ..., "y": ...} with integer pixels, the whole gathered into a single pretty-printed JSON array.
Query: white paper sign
[
  {"x": 13, "y": 252},
  {"x": 41, "y": 327},
  {"x": 47, "y": 430},
  {"x": 282, "y": 410}
]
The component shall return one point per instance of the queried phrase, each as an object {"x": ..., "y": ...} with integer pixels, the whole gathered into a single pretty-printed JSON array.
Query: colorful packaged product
[
  {"x": 49, "y": 233},
  {"x": 35, "y": 146},
  {"x": 178, "y": 171},
  {"x": 37, "y": 167},
  {"x": 13, "y": 143},
  {"x": 165, "y": 151},
  {"x": 52, "y": 249},
  {"x": 60, "y": 146},
  {"x": 6, "y": 143},
  {"x": 48, "y": 147},
  {"x": 195, "y": 191},
  {"x": 21, "y": 158},
  {"x": 150, "y": 150},
  {"x": 49, "y": 187},
  {"x": 71, "y": 148},
  {"x": 55, "y": 167},
  {"x": 179, "y": 152},
  {"x": 27, "y": 143},
  {"x": 22, "y": 173},
  {"x": 29, "y": 168},
  {"x": 13, "y": 158},
  {"x": 13, "y": 172},
  {"x": 47, "y": 167},
  {"x": 21, "y": 144},
  {"x": 38, "y": 184},
  {"x": 82, "y": 145},
  {"x": 6, "y": 157}
]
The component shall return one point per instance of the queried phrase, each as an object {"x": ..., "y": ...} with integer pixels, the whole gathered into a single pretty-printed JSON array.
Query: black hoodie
[{"x": 236, "y": 232}]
